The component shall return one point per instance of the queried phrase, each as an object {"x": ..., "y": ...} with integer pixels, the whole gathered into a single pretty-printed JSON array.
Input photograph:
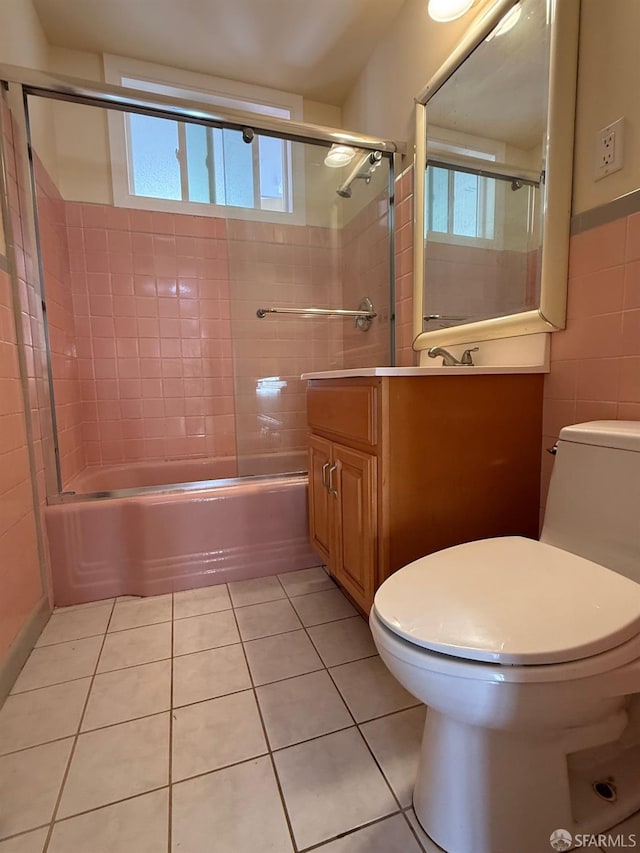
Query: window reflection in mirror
[
  {"x": 482, "y": 229},
  {"x": 494, "y": 132}
]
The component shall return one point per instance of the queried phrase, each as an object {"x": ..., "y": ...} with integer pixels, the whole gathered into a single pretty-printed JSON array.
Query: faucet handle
[{"x": 466, "y": 356}]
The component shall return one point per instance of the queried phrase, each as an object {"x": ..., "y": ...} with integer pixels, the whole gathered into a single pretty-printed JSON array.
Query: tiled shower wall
[
  {"x": 143, "y": 346},
  {"x": 20, "y": 584},
  {"x": 287, "y": 266},
  {"x": 54, "y": 250},
  {"x": 365, "y": 272},
  {"x": 21, "y": 427},
  {"x": 150, "y": 298},
  {"x": 477, "y": 283},
  {"x": 405, "y": 356}
]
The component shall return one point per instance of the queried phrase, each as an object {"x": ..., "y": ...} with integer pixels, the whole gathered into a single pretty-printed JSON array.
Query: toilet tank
[{"x": 593, "y": 506}]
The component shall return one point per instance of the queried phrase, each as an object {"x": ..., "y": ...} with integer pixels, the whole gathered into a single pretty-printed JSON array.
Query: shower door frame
[{"x": 20, "y": 83}]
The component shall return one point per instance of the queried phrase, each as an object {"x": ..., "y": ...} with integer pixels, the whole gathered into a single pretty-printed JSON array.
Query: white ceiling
[{"x": 315, "y": 48}]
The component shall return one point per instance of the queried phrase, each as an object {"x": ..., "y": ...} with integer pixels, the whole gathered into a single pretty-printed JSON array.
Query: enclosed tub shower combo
[{"x": 178, "y": 268}]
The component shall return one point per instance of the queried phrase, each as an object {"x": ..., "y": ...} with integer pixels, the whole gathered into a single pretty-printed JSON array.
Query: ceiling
[{"x": 315, "y": 49}]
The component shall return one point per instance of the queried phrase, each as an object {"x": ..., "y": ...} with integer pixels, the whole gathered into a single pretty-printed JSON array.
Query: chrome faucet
[{"x": 449, "y": 360}]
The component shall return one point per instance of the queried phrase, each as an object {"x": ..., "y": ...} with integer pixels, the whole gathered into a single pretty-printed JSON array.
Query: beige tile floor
[{"x": 253, "y": 717}]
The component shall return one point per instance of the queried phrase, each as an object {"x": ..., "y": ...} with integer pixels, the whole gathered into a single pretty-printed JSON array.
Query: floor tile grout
[
  {"x": 103, "y": 806},
  {"x": 254, "y": 688},
  {"x": 349, "y": 832},
  {"x": 212, "y": 699},
  {"x": 364, "y": 740},
  {"x": 72, "y": 752},
  {"x": 274, "y": 770}
]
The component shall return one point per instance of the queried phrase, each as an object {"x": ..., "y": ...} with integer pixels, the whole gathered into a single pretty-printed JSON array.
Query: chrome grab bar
[
  {"x": 363, "y": 314},
  {"x": 428, "y": 317},
  {"x": 323, "y": 312}
]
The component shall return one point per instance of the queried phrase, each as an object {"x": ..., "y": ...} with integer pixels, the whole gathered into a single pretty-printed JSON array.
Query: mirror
[{"x": 494, "y": 148}]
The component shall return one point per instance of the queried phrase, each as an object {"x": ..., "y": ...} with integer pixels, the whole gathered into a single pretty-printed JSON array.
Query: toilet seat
[{"x": 511, "y": 601}]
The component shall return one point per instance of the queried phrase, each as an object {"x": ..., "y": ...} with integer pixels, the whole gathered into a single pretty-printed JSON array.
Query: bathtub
[
  {"x": 136, "y": 475},
  {"x": 158, "y": 541}
]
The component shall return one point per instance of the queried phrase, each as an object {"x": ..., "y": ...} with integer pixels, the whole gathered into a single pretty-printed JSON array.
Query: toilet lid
[{"x": 510, "y": 601}]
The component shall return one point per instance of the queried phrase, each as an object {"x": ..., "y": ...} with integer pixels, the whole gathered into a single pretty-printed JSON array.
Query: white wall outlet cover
[{"x": 609, "y": 149}]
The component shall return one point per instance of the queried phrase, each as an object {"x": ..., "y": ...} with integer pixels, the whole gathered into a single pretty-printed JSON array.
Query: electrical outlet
[{"x": 609, "y": 149}]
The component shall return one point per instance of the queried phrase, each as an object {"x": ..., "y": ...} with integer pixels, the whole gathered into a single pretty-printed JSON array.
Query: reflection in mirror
[
  {"x": 485, "y": 136},
  {"x": 485, "y": 197}
]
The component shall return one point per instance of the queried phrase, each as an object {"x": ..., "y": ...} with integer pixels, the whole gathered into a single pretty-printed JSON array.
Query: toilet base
[
  {"x": 472, "y": 783},
  {"x": 471, "y": 786}
]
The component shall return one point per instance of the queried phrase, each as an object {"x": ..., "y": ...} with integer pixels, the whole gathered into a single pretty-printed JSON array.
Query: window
[
  {"x": 459, "y": 202},
  {"x": 189, "y": 162},
  {"x": 165, "y": 164}
]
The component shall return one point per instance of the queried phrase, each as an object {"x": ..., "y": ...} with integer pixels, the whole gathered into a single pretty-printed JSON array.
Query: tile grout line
[
  {"x": 357, "y": 725},
  {"x": 367, "y": 747},
  {"x": 270, "y": 750},
  {"x": 75, "y": 739},
  {"x": 404, "y": 811},
  {"x": 414, "y": 831},
  {"x": 94, "y": 809},
  {"x": 202, "y": 702},
  {"x": 266, "y": 736},
  {"x": 348, "y": 833},
  {"x": 173, "y": 618},
  {"x": 198, "y": 701}
]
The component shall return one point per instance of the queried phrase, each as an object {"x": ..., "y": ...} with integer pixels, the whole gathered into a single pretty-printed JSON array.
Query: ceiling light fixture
[
  {"x": 448, "y": 10},
  {"x": 339, "y": 155}
]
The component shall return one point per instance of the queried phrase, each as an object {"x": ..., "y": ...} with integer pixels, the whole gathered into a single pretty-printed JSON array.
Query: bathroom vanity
[{"x": 406, "y": 461}]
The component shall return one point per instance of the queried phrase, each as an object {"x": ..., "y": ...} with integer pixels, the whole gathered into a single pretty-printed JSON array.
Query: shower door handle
[
  {"x": 322, "y": 476},
  {"x": 332, "y": 491}
]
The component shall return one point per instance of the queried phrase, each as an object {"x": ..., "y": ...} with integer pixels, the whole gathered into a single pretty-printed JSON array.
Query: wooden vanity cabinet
[{"x": 401, "y": 466}]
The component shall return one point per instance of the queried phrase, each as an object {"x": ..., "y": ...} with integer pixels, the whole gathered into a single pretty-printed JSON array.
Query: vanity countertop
[{"x": 478, "y": 369}]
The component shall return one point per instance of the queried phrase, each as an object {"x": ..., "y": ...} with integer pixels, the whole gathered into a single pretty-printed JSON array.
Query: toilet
[{"x": 527, "y": 655}]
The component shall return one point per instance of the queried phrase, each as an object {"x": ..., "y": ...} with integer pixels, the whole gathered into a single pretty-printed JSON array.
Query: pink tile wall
[
  {"x": 150, "y": 298},
  {"x": 143, "y": 340},
  {"x": 20, "y": 579},
  {"x": 62, "y": 331},
  {"x": 286, "y": 266},
  {"x": 365, "y": 272},
  {"x": 20, "y": 585},
  {"x": 405, "y": 356},
  {"x": 30, "y": 304},
  {"x": 478, "y": 283},
  {"x": 595, "y": 361}
]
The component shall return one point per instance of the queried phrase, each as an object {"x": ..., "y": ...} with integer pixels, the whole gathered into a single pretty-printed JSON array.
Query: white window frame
[
  {"x": 445, "y": 144},
  {"x": 160, "y": 79}
]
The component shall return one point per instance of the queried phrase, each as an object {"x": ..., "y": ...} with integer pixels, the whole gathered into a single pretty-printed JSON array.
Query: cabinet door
[
  {"x": 320, "y": 506},
  {"x": 354, "y": 554}
]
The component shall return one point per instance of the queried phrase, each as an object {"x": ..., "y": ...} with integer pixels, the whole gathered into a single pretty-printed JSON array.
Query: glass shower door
[{"x": 331, "y": 253}]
